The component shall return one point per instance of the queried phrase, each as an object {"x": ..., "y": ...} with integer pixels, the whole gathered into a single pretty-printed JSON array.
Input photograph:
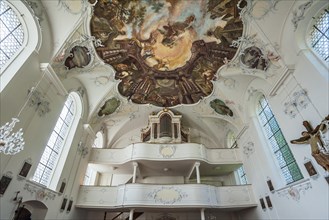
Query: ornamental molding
[
  {"x": 298, "y": 102},
  {"x": 40, "y": 192},
  {"x": 167, "y": 195},
  {"x": 298, "y": 14},
  {"x": 254, "y": 56},
  {"x": 82, "y": 149},
  {"x": 167, "y": 151},
  {"x": 249, "y": 148},
  {"x": 38, "y": 101},
  {"x": 85, "y": 42},
  {"x": 294, "y": 192},
  {"x": 258, "y": 10},
  {"x": 74, "y": 7}
]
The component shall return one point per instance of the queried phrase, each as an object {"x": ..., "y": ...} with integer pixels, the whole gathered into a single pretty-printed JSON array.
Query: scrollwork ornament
[
  {"x": 254, "y": 56},
  {"x": 298, "y": 14}
]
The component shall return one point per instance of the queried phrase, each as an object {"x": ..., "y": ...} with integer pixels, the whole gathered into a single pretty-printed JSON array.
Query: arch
[
  {"x": 55, "y": 154},
  {"x": 276, "y": 141},
  {"x": 31, "y": 209},
  {"x": 302, "y": 36},
  {"x": 31, "y": 42}
]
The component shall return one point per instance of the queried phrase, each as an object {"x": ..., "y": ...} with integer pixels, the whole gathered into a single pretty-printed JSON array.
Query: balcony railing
[
  {"x": 166, "y": 196},
  {"x": 170, "y": 152}
]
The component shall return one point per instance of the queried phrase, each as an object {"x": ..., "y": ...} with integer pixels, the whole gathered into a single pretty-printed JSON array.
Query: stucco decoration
[
  {"x": 38, "y": 101},
  {"x": 298, "y": 102},
  {"x": 74, "y": 6},
  {"x": 109, "y": 107},
  {"x": 294, "y": 192},
  {"x": 298, "y": 14},
  {"x": 40, "y": 192},
  {"x": 167, "y": 195},
  {"x": 165, "y": 52},
  {"x": 249, "y": 148},
  {"x": 167, "y": 151},
  {"x": 78, "y": 55},
  {"x": 254, "y": 56},
  {"x": 220, "y": 107},
  {"x": 259, "y": 9},
  {"x": 83, "y": 149},
  {"x": 37, "y": 9}
]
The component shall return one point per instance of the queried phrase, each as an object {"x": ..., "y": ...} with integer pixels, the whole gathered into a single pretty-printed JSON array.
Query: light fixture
[{"x": 11, "y": 143}]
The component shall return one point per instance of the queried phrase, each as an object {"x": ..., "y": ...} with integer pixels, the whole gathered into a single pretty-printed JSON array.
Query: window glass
[
  {"x": 320, "y": 35},
  {"x": 55, "y": 144},
  {"x": 280, "y": 148},
  {"x": 11, "y": 33},
  {"x": 242, "y": 176}
]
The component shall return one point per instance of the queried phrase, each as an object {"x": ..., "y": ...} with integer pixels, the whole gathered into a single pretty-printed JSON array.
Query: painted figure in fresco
[
  {"x": 109, "y": 107},
  {"x": 171, "y": 32},
  {"x": 254, "y": 58},
  {"x": 312, "y": 136},
  {"x": 220, "y": 107},
  {"x": 79, "y": 57}
]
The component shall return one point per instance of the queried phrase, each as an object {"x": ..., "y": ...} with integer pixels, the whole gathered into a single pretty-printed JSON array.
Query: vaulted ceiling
[{"x": 132, "y": 58}]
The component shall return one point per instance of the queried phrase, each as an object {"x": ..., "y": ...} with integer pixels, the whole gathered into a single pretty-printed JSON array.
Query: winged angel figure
[{"x": 313, "y": 137}]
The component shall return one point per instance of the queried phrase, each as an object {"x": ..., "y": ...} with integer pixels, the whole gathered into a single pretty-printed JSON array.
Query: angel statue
[{"x": 313, "y": 137}]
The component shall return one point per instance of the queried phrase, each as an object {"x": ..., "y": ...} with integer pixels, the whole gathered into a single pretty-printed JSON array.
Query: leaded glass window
[
  {"x": 55, "y": 144},
  {"x": 11, "y": 33},
  {"x": 320, "y": 35},
  {"x": 281, "y": 150},
  {"x": 242, "y": 176}
]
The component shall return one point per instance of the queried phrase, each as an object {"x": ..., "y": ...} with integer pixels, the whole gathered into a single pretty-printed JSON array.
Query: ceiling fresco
[{"x": 166, "y": 52}]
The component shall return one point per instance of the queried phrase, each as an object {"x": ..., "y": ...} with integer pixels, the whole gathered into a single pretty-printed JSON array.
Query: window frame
[
  {"x": 69, "y": 108},
  {"x": 19, "y": 43},
  {"x": 314, "y": 28},
  {"x": 279, "y": 150}
]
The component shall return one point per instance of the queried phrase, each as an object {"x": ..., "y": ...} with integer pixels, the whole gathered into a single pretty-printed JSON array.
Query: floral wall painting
[
  {"x": 109, "y": 107},
  {"x": 254, "y": 58},
  {"x": 166, "y": 52},
  {"x": 79, "y": 57},
  {"x": 220, "y": 107}
]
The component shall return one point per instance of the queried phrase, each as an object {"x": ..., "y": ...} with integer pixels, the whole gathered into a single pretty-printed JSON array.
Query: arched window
[
  {"x": 281, "y": 150},
  {"x": 54, "y": 148},
  {"x": 320, "y": 35},
  {"x": 11, "y": 34}
]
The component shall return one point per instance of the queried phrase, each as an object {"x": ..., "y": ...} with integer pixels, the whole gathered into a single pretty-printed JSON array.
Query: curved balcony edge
[
  {"x": 168, "y": 152},
  {"x": 166, "y": 196}
]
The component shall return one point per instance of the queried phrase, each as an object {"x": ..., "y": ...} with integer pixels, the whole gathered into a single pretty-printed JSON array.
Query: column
[
  {"x": 197, "y": 165},
  {"x": 131, "y": 214},
  {"x": 202, "y": 215},
  {"x": 135, "y": 164}
]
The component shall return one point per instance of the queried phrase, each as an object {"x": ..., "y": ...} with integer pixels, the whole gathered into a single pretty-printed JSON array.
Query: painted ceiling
[{"x": 165, "y": 52}]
